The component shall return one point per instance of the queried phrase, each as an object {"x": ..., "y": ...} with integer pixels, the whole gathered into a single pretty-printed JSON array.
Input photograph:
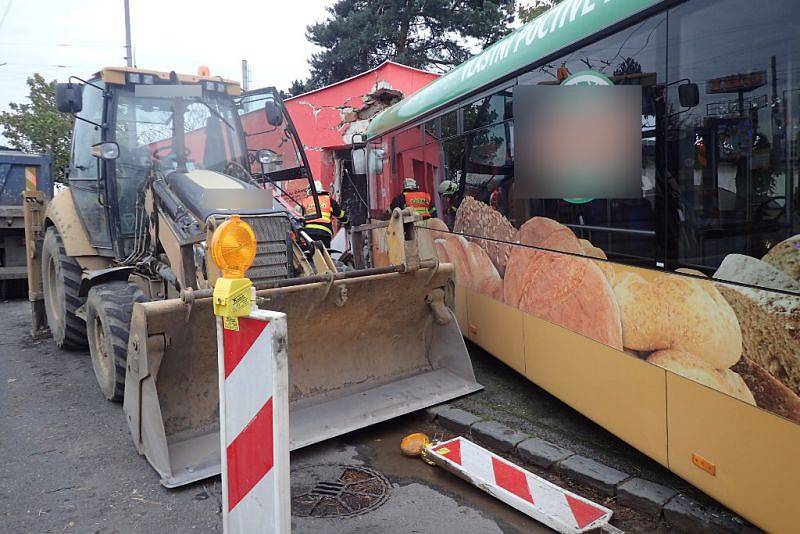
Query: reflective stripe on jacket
[
  {"x": 328, "y": 209},
  {"x": 419, "y": 201}
]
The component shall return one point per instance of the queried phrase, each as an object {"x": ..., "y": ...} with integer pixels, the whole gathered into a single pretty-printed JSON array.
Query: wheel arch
[{"x": 62, "y": 214}]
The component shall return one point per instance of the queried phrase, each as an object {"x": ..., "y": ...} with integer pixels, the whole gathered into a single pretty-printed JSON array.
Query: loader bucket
[{"x": 361, "y": 350}]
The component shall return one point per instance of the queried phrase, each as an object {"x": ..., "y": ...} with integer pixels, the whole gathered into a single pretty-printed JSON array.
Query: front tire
[
  {"x": 109, "y": 308},
  {"x": 61, "y": 280}
]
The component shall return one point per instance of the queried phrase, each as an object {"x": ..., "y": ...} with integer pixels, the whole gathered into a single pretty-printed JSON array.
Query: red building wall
[{"x": 327, "y": 118}]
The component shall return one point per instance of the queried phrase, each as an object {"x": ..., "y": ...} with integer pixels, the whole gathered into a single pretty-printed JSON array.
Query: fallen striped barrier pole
[
  {"x": 532, "y": 495},
  {"x": 254, "y": 422}
]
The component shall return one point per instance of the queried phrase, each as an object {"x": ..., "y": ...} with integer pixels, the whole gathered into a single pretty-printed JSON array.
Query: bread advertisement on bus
[{"x": 731, "y": 337}]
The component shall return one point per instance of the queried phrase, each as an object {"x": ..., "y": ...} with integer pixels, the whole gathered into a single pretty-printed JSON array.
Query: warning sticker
[
  {"x": 239, "y": 302},
  {"x": 230, "y": 323}
]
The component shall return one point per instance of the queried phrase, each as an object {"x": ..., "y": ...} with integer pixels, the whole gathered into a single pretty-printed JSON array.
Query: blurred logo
[{"x": 586, "y": 77}]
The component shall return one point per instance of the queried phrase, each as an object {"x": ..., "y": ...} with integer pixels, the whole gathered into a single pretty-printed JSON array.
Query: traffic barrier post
[{"x": 254, "y": 422}]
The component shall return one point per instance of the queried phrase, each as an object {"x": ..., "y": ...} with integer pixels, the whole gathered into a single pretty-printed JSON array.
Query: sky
[{"x": 62, "y": 38}]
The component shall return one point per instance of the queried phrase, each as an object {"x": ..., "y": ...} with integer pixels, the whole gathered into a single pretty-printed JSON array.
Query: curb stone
[
  {"x": 690, "y": 516},
  {"x": 644, "y": 495},
  {"x": 542, "y": 453},
  {"x": 599, "y": 476},
  {"x": 457, "y": 420},
  {"x": 497, "y": 435},
  {"x": 678, "y": 510}
]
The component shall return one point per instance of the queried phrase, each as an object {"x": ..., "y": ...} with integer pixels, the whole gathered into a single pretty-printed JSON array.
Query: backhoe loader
[{"x": 120, "y": 262}]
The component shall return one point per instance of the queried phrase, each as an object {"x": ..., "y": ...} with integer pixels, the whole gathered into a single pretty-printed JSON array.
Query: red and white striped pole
[
  {"x": 254, "y": 422},
  {"x": 556, "y": 507}
]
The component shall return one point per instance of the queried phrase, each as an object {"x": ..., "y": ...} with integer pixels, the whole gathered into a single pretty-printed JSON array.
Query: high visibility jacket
[
  {"x": 419, "y": 201},
  {"x": 328, "y": 208}
]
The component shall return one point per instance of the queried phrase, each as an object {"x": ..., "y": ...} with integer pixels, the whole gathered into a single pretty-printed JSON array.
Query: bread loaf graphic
[
  {"x": 785, "y": 256},
  {"x": 754, "y": 272},
  {"x": 694, "y": 368},
  {"x": 678, "y": 313},
  {"x": 769, "y": 393},
  {"x": 475, "y": 218},
  {"x": 594, "y": 252},
  {"x": 566, "y": 290},
  {"x": 436, "y": 227},
  {"x": 765, "y": 337},
  {"x": 473, "y": 267}
]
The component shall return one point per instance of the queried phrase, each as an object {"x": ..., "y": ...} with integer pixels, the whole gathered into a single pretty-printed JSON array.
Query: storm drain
[{"x": 334, "y": 490}]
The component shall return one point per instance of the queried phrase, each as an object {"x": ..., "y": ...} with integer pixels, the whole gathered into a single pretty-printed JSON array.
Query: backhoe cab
[{"x": 120, "y": 261}]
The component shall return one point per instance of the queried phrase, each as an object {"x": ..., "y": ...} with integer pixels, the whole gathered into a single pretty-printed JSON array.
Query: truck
[
  {"x": 122, "y": 264},
  {"x": 19, "y": 171}
]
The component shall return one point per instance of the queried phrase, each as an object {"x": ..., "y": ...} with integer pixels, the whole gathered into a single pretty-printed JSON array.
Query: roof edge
[{"x": 360, "y": 74}]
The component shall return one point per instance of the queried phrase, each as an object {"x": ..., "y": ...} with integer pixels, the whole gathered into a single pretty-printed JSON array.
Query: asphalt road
[{"x": 67, "y": 463}]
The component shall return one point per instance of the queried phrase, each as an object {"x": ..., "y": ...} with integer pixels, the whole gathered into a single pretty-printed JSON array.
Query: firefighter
[
  {"x": 448, "y": 190},
  {"x": 321, "y": 228},
  {"x": 412, "y": 197}
]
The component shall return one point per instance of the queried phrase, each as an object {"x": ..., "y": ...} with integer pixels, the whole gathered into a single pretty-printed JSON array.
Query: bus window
[
  {"x": 627, "y": 230},
  {"x": 489, "y": 166},
  {"x": 732, "y": 159},
  {"x": 490, "y": 110}
]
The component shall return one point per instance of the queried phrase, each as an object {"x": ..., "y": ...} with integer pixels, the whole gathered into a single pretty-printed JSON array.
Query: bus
[{"x": 667, "y": 311}]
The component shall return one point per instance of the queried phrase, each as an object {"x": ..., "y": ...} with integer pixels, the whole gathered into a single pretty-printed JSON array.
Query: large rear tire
[
  {"x": 109, "y": 308},
  {"x": 61, "y": 280}
]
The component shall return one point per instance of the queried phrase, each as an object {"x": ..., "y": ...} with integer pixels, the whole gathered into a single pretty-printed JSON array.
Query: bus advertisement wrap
[{"x": 667, "y": 310}]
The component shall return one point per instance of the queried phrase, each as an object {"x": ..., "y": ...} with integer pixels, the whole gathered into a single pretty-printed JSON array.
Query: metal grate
[
  {"x": 330, "y": 490},
  {"x": 272, "y": 255}
]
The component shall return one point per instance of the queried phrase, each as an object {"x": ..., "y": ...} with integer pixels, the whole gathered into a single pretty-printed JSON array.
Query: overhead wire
[{"x": 5, "y": 13}]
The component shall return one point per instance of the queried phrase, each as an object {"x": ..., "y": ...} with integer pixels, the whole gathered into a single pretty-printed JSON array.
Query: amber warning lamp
[{"x": 233, "y": 249}]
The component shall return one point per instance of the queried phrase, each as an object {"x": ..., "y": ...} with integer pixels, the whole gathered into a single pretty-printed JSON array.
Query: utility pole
[
  {"x": 128, "y": 47},
  {"x": 245, "y": 75}
]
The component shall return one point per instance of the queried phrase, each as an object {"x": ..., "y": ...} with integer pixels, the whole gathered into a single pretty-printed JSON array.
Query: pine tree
[
  {"x": 429, "y": 34},
  {"x": 529, "y": 12}
]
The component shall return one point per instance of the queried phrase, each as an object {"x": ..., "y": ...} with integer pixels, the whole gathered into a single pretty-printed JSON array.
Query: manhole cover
[{"x": 332, "y": 490}]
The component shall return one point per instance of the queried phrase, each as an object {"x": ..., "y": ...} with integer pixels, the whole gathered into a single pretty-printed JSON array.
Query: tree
[
  {"x": 534, "y": 9},
  {"x": 430, "y": 34},
  {"x": 37, "y": 126}
]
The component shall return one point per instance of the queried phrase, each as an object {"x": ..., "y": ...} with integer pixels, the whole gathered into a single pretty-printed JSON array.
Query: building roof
[
  {"x": 563, "y": 25},
  {"x": 361, "y": 75}
]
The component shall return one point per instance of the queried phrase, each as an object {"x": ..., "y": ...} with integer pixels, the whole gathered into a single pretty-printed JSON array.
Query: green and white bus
[{"x": 670, "y": 317}]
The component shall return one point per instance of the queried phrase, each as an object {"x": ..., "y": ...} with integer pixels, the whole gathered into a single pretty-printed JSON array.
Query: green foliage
[
  {"x": 430, "y": 34},
  {"x": 534, "y": 9},
  {"x": 37, "y": 126}
]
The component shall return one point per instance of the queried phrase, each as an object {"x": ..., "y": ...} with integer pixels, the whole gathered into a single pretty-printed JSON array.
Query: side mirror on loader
[
  {"x": 108, "y": 150},
  {"x": 273, "y": 113},
  {"x": 69, "y": 97}
]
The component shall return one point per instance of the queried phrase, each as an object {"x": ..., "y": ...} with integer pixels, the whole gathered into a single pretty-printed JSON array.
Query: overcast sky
[{"x": 60, "y": 38}]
